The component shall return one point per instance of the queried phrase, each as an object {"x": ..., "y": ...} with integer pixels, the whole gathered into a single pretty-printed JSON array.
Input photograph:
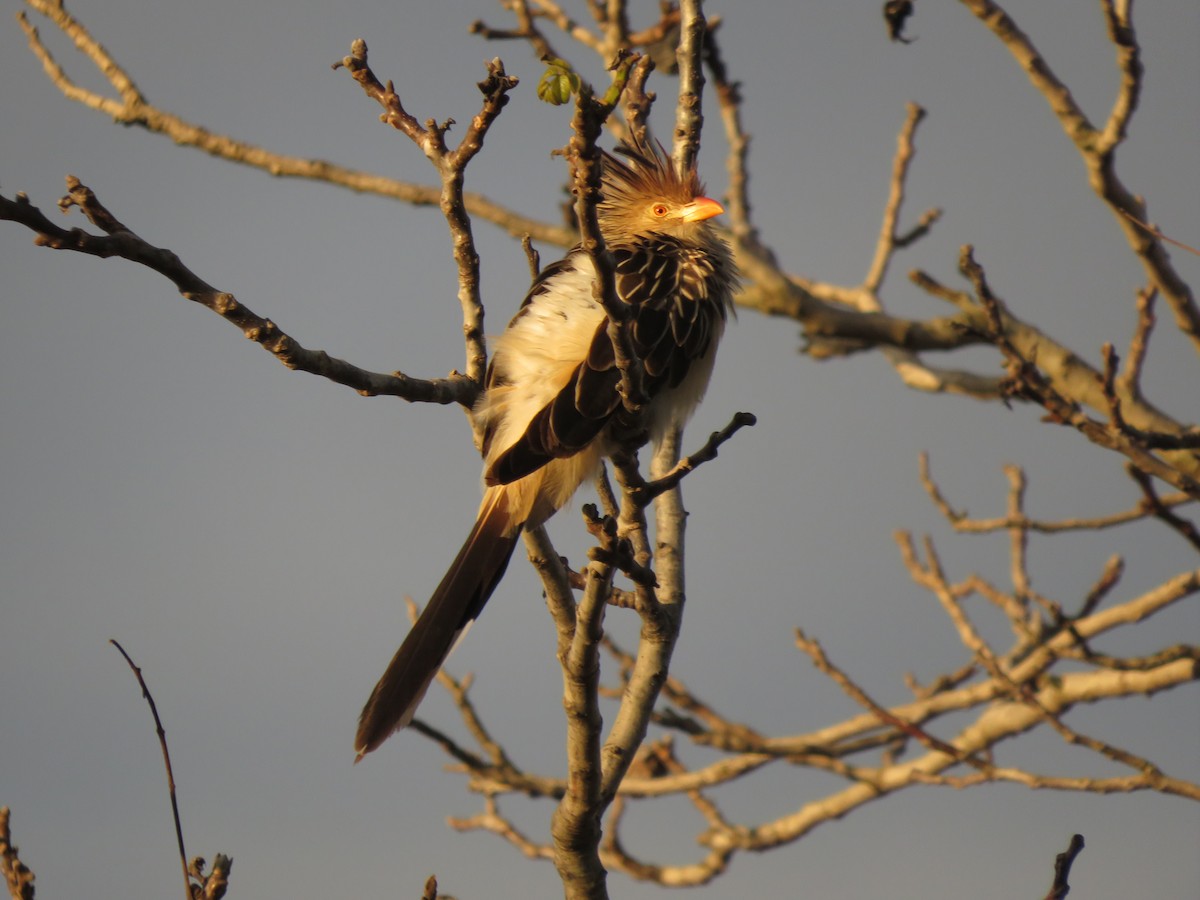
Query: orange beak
[{"x": 700, "y": 209}]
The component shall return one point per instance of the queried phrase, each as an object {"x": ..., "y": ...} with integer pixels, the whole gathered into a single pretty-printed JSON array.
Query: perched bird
[{"x": 551, "y": 392}]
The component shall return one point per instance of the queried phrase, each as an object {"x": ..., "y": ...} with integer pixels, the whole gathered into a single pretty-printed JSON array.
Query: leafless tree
[{"x": 1049, "y": 666}]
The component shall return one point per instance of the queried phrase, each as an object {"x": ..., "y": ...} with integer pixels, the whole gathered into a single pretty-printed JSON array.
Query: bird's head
[{"x": 644, "y": 197}]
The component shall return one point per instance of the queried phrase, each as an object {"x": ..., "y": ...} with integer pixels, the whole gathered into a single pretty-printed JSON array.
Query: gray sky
[{"x": 249, "y": 533}]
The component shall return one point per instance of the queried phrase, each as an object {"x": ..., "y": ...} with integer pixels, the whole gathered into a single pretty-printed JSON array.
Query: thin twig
[
  {"x": 128, "y": 245},
  {"x": 451, "y": 166},
  {"x": 1160, "y": 508},
  {"x": 584, "y": 158},
  {"x": 162, "y": 740},
  {"x": 492, "y": 820},
  {"x": 729, "y": 101},
  {"x": 1028, "y": 381},
  {"x": 526, "y": 30},
  {"x": 1129, "y": 383},
  {"x": 689, "y": 115},
  {"x": 133, "y": 109},
  {"x": 17, "y": 875},
  {"x": 1062, "y": 868},
  {"x": 1097, "y": 146},
  {"x": 550, "y": 10},
  {"x": 646, "y": 492},
  {"x": 890, "y": 239},
  {"x": 1150, "y": 229},
  {"x": 962, "y": 522}
]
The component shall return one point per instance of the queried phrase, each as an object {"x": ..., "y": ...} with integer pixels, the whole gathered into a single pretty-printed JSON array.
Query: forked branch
[{"x": 122, "y": 242}]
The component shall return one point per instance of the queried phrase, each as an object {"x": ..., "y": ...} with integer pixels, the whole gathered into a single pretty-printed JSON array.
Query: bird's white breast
[{"x": 535, "y": 357}]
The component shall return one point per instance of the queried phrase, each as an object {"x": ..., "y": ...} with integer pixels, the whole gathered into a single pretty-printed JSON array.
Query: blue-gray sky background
[{"x": 249, "y": 533}]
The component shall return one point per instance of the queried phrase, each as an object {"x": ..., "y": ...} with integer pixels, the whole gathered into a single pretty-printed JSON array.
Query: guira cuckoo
[{"x": 551, "y": 396}]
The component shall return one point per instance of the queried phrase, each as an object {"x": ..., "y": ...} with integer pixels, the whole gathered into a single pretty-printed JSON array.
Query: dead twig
[
  {"x": 1062, "y": 868},
  {"x": 17, "y": 875},
  {"x": 126, "y": 244},
  {"x": 162, "y": 741}
]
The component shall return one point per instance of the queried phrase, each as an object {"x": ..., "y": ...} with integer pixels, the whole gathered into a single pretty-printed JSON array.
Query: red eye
[{"x": 659, "y": 209}]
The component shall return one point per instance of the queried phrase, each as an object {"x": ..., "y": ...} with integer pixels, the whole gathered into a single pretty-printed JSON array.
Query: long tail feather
[{"x": 455, "y": 603}]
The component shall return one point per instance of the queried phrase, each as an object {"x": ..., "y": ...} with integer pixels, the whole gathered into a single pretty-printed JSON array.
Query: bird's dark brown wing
[{"x": 674, "y": 321}]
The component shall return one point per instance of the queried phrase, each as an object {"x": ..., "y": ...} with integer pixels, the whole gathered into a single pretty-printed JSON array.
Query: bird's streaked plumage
[{"x": 551, "y": 392}]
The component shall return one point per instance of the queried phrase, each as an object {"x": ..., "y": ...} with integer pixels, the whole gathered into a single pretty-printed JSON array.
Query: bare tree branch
[
  {"x": 1098, "y": 146},
  {"x": 1026, "y": 380},
  {"x": 729, "y": 101},
  {"x": 126, "y": 244},
  {"x": 890, "y": 239},
  {"x": 162, "y": 741},
  {"x": 689, "y": 115},
  {"x": 1062, "y": 868},
  {"x": 1014, "y": 696},
  {"x": 134, "y": 109},
  {"x": 18, "y": 876},
  {"x": 209, "y": 885},
  {"x": 963, "y": 523},
  {"x": 451, "y": 166}
]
